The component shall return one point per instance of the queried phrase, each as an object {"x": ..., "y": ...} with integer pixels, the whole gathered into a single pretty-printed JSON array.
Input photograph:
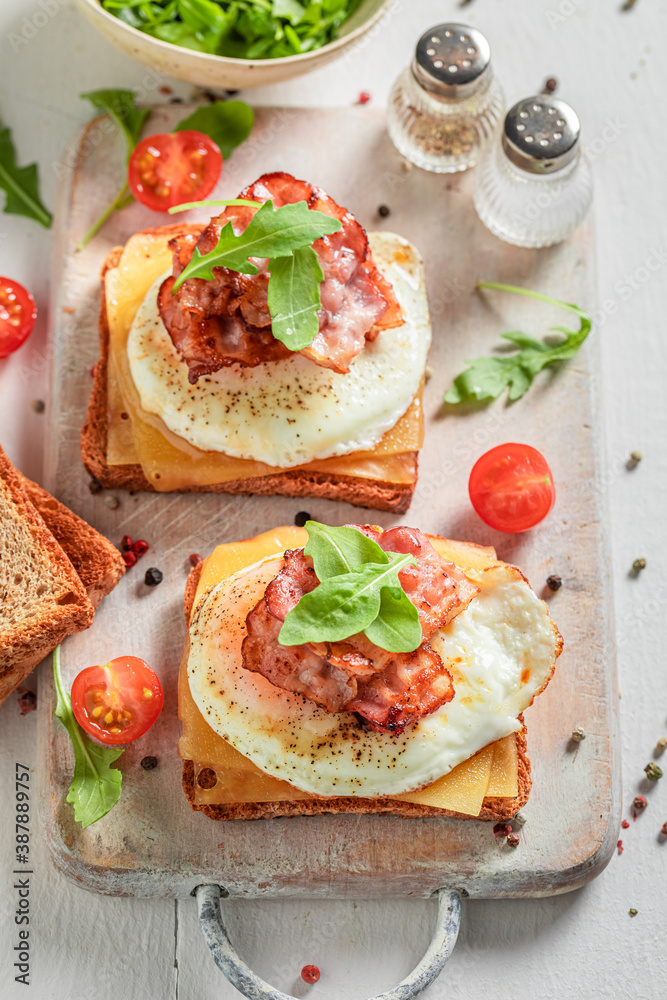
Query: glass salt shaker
[
  {"x": 446, "y": 106},
  {"x": 533, "y": 186}
]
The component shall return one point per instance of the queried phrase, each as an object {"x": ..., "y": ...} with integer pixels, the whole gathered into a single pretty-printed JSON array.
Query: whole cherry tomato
[
  {"x": 17, "y": 315},
  {"x": 511, "y": 487},
  {"x": 168, "y": 169},
  {"x": 118, "y": 702}
]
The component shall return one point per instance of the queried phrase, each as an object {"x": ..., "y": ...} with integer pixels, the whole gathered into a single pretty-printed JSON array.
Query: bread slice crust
[
  {"x": 97, "y": 561},
  {"x": 493, "y": 809},
  {"x": 31, "y": 559},
  {"x": 370, "y": 493}
]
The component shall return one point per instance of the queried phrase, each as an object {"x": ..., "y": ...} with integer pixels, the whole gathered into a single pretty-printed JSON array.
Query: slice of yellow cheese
[
  {"x": 492, "y": 771},
  {"x": 168, "y": 461}
]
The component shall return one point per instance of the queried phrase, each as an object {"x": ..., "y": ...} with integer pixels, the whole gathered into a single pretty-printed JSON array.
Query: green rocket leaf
[{"x": 96, "y": 786}]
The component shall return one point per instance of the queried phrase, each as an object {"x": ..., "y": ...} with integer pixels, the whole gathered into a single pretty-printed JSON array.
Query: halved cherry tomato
[
  {"x": 511, "y": 487},
  {"x": 168, "y": 169},
  {"x": 118, "y": 702},
  {"x": 17, "y": 315}
]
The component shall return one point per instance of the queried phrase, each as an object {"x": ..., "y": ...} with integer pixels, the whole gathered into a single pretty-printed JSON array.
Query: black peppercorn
[
  {"x": 384, "y": 211},
  {"x": 301, "y": 518},
  {"x": 148, "y": 763},
  {"x": 554, "y": 583},
  {"x": 153, "y": 577}
]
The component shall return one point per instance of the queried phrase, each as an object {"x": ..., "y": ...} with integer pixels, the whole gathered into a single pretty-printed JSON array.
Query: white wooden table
[{"x": 611, "y": 66}]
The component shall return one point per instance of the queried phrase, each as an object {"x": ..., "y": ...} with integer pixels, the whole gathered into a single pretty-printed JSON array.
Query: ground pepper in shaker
[
  {"x": 448, "y": 104},
  {"x": 533, "y": 186}
]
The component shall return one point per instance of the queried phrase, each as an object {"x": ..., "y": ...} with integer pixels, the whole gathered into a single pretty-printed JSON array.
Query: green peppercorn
[{"x": 653, "y": 772}]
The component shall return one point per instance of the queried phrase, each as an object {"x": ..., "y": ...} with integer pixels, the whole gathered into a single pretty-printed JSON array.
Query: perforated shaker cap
[
  {"x": 452, "y": 61},
  {"x": 541, "y": 134}
]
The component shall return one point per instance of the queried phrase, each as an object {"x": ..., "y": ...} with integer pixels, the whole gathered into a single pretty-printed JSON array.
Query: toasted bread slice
[
  {"x": 43, "y": 598},
  {"x": 361, "y": 492},
  {"x": 493, "y": 809},
  {"x": 97, "y": 562},
  {"x": 54, "y": 571}
]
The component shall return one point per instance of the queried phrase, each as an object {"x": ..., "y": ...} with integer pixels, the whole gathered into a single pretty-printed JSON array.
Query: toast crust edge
[
  {"x": 369, "y": 493},
  {"x": 23, "y": 652},
  {"x": 96, "y": 560}
]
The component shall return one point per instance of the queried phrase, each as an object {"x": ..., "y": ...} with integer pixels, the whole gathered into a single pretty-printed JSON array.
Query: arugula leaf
[
  {"x": 294, "y": 297},
  {"x": 21, "y": 184},
  {"x": 342, "y": 605},
  {"x": 397, "y": 626},
  {"x": 271, "y": 233},
  {"x": 121, "y": 106},
  {"x": 96, "y": 786},
  {"x": 225, "y": 202},
  {"x": 340, "y": 550},
  {"x": 228, "y": 123},
  {"x": 207, "y": 21},
  {"x": 359, "y": 591},
  {"x": 291, "y": 9},
  {"x": 487, "y": 378}
]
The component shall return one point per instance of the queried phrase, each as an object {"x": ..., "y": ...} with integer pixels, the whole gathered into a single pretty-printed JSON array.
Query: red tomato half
[
  {"x": 17, "y": 315},
  {"x": 511, "y": 487},
  {"x": 118, "y": 702},
  {"x": 167, "y": 170}
]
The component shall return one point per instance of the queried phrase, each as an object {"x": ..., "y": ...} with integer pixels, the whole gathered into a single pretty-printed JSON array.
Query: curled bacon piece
[
  {"x": 224, "y": 321},
  {"x": 439, "y": 589},
  {"x": 386, "y": 690}
]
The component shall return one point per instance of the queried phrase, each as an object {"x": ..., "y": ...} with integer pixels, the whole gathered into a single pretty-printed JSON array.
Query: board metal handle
[{"x": 253, "y": 987}]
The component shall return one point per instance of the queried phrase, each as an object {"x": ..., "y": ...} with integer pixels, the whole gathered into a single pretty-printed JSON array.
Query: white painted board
[{"x": 151, "y": 843}]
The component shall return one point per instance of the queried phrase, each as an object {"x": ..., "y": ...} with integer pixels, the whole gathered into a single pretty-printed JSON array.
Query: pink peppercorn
[
  {"x": 310, "y": 974},
  {"x": 502, "y": 829}
]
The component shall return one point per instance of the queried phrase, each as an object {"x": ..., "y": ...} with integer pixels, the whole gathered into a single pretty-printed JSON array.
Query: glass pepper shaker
[
  {"x": 445, "y": 107},
  {"x": 533, "y": 186}
]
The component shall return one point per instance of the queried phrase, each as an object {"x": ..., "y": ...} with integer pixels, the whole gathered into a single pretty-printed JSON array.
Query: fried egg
[
  {"x": 288, "y": 413},
  {"x": 500, "y": 651}
]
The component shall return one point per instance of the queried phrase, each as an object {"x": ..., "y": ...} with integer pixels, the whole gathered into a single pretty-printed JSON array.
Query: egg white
[
  {"x": 500, "y": 651},
  {"x": 291, "y": 412}
]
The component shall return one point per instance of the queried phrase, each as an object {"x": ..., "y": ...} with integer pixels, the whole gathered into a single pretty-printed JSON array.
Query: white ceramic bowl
[{"x": 220, "y": 71}]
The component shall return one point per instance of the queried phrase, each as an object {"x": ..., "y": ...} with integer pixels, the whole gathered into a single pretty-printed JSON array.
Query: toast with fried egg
[
  {"x": 256, "y": 745},
  {"x": 173, "y": 410}
]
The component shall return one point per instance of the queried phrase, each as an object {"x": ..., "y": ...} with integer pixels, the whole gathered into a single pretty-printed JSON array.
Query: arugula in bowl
[{"x": 240, "y": 29}]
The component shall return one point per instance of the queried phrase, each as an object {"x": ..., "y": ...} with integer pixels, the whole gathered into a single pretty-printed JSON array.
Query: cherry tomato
[
  {"x": 118, "y": 702},
  {"x": 17, "y": 315},
  {"x": 167, "y": 170},
  {"x": 511, "y": 487}
]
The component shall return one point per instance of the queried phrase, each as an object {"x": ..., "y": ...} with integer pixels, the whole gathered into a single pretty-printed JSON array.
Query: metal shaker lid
[
  {"x": 452, "y": 61},
  {"x": 541, "y": 134}
]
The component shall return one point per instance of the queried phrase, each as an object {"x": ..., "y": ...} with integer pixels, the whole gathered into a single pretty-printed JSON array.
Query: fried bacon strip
[
  {"x": 226, "y": 320},
  {"x": 386, "y": 690}
]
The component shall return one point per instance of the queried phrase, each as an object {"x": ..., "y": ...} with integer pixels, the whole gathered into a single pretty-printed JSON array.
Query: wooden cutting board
[{"x": 152, "y": 844}]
